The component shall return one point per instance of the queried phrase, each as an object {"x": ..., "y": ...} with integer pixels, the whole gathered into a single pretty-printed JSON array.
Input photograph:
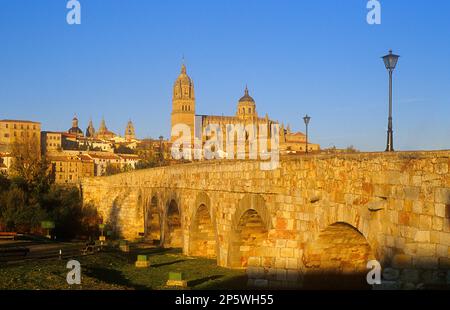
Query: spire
[
  {"x": 90, "y": 131},
  {"x": 183, "y": 68},
  {"x": 102, "y": 126},
  {"x": 246, "y": 97}
]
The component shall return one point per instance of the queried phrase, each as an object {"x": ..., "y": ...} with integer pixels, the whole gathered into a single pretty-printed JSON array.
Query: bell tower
[{"x": 183, "y": 103}]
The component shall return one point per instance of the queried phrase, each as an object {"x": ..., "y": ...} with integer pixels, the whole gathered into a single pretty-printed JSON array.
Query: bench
[{"x": 8, "y": 235}]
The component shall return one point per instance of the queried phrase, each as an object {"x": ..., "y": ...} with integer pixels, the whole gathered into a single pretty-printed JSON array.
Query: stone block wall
[{"x": 398, "y": 203}]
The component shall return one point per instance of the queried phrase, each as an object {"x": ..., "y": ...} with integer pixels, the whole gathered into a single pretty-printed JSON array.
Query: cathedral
[
  {"x": 103, "y": 132},
  {"x": 183, "y": 112}
]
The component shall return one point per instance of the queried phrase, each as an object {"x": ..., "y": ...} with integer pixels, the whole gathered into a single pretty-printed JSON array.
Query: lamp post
[
  {"x": 390, "y": 61},
  {"x": 306, "y": 119}
]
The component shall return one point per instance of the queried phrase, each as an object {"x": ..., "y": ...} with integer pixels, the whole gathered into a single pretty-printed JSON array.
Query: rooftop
[{"x": 18, "y": 121}]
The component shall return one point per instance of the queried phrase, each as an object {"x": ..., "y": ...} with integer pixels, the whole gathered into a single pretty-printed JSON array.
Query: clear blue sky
[{"x": 318, "y": 57}]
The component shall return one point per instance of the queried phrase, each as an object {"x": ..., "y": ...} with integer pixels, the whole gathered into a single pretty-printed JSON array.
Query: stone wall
[{"x": 399, "y": 203}]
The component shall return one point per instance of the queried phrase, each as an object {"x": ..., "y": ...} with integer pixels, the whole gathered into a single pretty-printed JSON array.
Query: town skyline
[{"x": 342, "y": 93}]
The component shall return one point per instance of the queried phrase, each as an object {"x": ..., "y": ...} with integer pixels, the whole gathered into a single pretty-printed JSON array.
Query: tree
[
  {"x": 351, "y": 149},
  {"x": 112, "y": 169},
  {"x": 29, "y": 197},
  {"x": 122, "y": 149},
  {"x": 28, "y": 164},
  {"x": 18, "y": 212}
]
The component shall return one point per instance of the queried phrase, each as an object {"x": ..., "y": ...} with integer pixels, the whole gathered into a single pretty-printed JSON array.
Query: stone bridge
[{"x": 313, "y": 218}]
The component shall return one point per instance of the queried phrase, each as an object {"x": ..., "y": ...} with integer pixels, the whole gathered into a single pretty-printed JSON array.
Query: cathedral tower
[
  {"x": 90, "y": 131},
  {"x": 129, "y": 131},
  {"x": 246, "y": 109},
  {"x": 183, "y": 102}
]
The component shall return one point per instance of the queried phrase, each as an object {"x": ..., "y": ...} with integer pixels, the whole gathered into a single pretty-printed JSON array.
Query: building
[
  {"x": 128, "y": 161},
  {"x": 5, "y": 163},
  {"x": 295, "y": 142},
  {"x": 103, "y": 132},
  {"x": 51, "y": 141},
  {"x": 184, "y": 112},
  {"x": 70, "y": 169},
  {"x": 129, "y": 131},
  {"x": 12, "y": 131},
  {"x": 75, "y": 130},
  {"x": 103, "y": 160}
]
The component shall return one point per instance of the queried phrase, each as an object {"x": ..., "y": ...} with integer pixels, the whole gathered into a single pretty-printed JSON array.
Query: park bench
[{"x": 8, "y": 235}]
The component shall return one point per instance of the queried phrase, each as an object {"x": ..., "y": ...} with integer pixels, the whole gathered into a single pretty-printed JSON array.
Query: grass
[{"x": 114, "y": 270}]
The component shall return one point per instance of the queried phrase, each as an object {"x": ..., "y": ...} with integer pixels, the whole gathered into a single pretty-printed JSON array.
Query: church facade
[{"x": 184, "y": 112}]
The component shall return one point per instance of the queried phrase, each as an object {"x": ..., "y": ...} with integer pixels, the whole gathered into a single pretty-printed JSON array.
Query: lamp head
[
  {"x": 306, "y": 119},
  {"x": 390, "y": 60}
]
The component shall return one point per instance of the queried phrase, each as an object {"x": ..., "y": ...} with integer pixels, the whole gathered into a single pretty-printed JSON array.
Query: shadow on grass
[
  {"x": 335, "y": 281},
  {"x": 112, "y": 276},
  {"x": 169, "y": 263},
  {"x": 232, "y": 283},
  {"x": 196, "y": 282},
  {"x": 156, "y": 251}
]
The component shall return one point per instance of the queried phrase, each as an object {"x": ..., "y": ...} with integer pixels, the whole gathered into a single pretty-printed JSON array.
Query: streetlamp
[
  {"x": 306, "y": 119},
  {"x": 390, "y": 61}
]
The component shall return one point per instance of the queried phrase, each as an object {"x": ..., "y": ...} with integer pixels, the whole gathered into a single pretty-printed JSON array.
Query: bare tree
[{"x": 27, "y": 162}]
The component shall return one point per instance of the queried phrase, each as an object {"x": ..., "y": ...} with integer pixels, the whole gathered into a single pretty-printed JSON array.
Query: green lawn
[{"x": 111, "y": 270}]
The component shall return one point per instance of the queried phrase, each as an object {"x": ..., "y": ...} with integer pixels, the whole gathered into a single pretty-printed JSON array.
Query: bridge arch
[
  {"x": 153, "y": 220},
  {"x": 203, "y": 231},
  {"x": 250, "y": 227},
  {"x": 173, "y": 228},
  {"x": 337, "y": 258}
]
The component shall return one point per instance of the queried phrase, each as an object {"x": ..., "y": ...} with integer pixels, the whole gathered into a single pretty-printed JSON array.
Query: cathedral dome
[
  {"x": 183, "y": 78},
  {"x": 183, "y": 86},
  {"x": 246, "y": 97},
  {"x": 246, "y": 108},
  {"x": 75, "y": 129}
]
